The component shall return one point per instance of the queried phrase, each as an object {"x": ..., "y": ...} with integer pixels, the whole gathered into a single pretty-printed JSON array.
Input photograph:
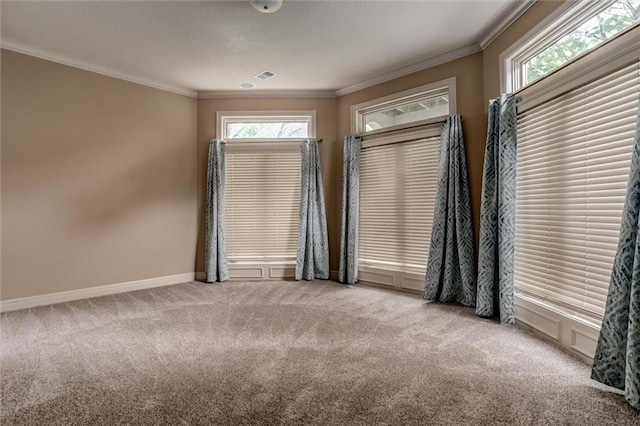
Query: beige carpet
[{"x": 286, "y": 353}]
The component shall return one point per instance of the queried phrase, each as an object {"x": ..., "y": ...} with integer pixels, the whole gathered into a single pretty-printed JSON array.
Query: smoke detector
[
  {"x": 247, "y": 85},
  {"x": 266, "y": 6}
]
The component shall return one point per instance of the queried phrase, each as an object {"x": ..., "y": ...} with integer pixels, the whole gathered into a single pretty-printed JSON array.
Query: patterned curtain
[
  {"x": 215, "y": 248},
  {"x": 312, "y": 260},
  {"x": 497, "y": 213},
  {"x": 617, "y": 359},
  {"x": 451, "y": 272},
  {"x": 348, "y": 272}
]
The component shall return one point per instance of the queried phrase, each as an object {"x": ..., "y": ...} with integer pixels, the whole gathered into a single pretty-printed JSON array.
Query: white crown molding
[
  {"x": 496, "y": 29},
  {"x": 420, "y": 66},
  {"x": 86, "y": 293},
  {"x": 98, "y": 70},
  {"x": 504, "y": 22},
  {"x": 266, "y": 94}
]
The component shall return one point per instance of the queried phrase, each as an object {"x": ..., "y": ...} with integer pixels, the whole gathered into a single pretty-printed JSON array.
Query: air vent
[{"x": 265, "y": 75}]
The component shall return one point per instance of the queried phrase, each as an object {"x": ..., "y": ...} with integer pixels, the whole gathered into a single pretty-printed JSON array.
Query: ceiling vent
[{"x": 265, "y": 75}]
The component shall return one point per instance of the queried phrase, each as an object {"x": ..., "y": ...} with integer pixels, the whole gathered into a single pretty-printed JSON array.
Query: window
[
  {"x": 262, "y": 203},
  {"x": 575, "y": 137},
  {"x": 423, "y": 105},
  {"x": 285, "y": 126},
  {"x": 398, "y": 182},
  {"x": 267, "y": 130},
  {"x": 581, "y": 27},
  {"x": 262, "y": 172},
  {"x": 574, "y": 154}
]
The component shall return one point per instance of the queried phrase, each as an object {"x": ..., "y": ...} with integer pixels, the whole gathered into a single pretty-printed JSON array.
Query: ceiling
[{"x": 214, "y": 46}]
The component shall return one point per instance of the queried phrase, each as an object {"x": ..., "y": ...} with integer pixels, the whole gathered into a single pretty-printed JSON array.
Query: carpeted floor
[{"x": 286, "y": 353}]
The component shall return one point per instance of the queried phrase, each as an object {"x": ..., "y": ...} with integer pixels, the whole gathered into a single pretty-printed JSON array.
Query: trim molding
[
  {"x": 200, "y": 276},
  {"x": 495, "y": 29},
  {"x": 266, "y": 94},
  {"x": 504, "y": 22},
  {"x": 14, "y": 47},
  {"x": 86, "y": 293},
  {"x": 420, "y": 66},
  {"x": 576, "y": 335}
]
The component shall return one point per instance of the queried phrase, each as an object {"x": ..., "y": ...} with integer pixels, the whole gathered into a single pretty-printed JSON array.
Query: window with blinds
[
  {"x": 262, "y": 202},
  {"x": 574, "y": 154},
  {"x": 397, "y": 195}
]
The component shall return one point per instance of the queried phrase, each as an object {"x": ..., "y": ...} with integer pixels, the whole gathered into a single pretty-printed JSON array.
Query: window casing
[
  {"x": 262, "y": 180},
  {"x": 261, "y": 126},
  {"x": 423, "y": 105},
  {"x": 398, "y": 183},
  {"x": 575, "y": 29}
]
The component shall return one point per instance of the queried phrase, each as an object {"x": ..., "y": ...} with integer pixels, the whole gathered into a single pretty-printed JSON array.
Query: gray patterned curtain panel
[
  {"x": 451, "y": 271},
  {"x": 312, "y": 259},
  {"x": 348, "y": 272},
  {"x": 497, "y": 213},
  {"x": 617, "y": 359},
  {"x": 215, "y": 248}
]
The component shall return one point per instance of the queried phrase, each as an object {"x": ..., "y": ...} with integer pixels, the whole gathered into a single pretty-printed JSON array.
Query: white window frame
[
  {"x": 606, "y": 58},
  {"x": 358, "y": 111},
  {"x": 224, "y": 117},
  {"x": 408, "y": 280},
  {"x": 562, "y": 21},
  {"x": 263, "y": 269},
  {"x": 403, "y": 280}
]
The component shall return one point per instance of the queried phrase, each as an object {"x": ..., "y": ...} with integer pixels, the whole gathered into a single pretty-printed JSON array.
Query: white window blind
[
  {"x": 262, "y": 203},
  {"x": 397, "y": 195},
  {"x": 574, "y": 154}
]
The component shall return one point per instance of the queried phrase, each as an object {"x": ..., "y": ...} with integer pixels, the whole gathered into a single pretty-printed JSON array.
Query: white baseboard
[{"x": 86, "y": 293}]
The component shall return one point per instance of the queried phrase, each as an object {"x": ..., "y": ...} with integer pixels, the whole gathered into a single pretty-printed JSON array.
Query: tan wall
[
  {"x": 99, "y": 183},
  {"x": 330, "y": 154},
  {"x": 491, "y": 54},
  {"x": 469, "y": 84},
  {"x": 98, "y": 179}
]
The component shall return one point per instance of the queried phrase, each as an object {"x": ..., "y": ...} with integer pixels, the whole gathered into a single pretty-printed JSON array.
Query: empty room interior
[{"x": 294, "y": 212}]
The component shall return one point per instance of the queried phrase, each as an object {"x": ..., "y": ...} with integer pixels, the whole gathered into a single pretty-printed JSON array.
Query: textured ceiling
[{"x": 216, "y": 45}]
